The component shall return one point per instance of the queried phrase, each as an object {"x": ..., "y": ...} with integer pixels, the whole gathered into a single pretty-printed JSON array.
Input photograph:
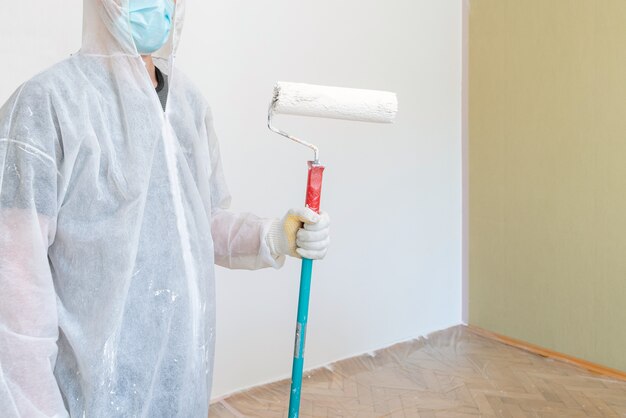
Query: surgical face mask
[{"x": 151, "y": 23}]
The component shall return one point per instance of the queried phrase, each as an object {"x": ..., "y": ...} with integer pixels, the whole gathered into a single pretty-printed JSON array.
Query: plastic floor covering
[{"x": 452, "y": 373}]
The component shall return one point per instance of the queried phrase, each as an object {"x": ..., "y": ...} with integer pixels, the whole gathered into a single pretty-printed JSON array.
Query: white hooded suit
[{"x": 112, "y": 215}]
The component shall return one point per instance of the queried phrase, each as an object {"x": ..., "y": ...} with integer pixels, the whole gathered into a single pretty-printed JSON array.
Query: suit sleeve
[
  {"x": 239, "y": 238},
  {"x": 28, "y": 209}
]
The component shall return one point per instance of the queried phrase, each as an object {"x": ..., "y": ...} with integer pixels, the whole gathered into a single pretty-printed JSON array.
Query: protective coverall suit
[{"x": 112, "y": 215}]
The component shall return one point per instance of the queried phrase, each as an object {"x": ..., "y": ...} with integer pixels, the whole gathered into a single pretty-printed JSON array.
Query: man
[{"x": 113, "y": 211}]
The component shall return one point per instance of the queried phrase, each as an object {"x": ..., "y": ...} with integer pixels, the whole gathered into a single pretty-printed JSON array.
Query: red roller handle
[{"x": 314, "y": 186}]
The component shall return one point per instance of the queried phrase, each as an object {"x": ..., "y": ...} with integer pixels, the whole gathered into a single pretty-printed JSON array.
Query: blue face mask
[{"x": 151, "y": 23}]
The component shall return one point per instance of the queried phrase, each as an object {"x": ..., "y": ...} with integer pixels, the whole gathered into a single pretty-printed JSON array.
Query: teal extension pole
[
  {"x": 298, "y": 355},
  {"x": 313, "y": 197}
]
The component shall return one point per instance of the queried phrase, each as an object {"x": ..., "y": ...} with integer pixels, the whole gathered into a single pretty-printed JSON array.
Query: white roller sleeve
[{"x": 334, "y": 102}]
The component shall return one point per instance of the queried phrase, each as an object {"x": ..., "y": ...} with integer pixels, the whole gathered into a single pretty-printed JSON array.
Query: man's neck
[{"x": 147, "y": 59}]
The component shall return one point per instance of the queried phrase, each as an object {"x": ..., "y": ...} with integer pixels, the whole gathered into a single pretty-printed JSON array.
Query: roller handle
[
  {"x": 313, "y": 197},
  {"x": 314, "y": 186}
]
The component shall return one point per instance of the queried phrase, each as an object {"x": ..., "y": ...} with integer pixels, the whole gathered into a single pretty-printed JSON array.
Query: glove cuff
[
  {"x": 275, "y": 239},
  {"x": 278, "y": 241}
]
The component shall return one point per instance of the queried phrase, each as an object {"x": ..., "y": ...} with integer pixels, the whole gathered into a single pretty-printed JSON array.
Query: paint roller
[{"x": 323, "y": 102}]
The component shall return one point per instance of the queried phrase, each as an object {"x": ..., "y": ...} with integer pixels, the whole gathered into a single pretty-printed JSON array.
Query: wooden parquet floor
[{"x": 452, "y": 373}]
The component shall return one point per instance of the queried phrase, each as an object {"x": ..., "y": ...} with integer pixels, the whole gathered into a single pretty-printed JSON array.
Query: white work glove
[{"x": 301, "y": 233}]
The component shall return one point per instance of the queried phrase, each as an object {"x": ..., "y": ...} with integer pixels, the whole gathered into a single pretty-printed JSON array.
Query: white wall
[{"x": 394, "y": 192}]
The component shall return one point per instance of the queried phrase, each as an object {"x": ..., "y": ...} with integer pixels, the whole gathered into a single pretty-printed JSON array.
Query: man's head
[{"x": 112, "y": 27}]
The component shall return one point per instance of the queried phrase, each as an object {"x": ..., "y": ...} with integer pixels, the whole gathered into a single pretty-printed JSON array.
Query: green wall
[{"x": 547, "y": 150}]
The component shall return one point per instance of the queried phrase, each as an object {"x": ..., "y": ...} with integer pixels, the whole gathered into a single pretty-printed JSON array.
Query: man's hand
[{"x": 301, "y": 233}]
